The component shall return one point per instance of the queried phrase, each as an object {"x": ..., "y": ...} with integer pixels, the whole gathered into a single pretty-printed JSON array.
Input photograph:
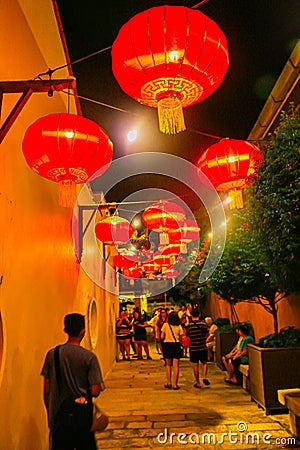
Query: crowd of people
[{"x": 182, "y": 334}]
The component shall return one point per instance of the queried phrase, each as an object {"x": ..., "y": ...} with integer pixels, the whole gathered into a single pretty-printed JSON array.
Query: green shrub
[{"x": 287, "y": 337}]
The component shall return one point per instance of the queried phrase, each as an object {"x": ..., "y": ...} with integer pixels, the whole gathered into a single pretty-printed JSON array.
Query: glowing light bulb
[
  {"x": 136, "y": 223},
  {"x": 210, "y": 235},
  {"x": 232, "y": 159},
  {"x": 69, "y": 134},
  {"x": 174, "y": 55},
  {"x": 132, "y": 135},
  {"x": 228, "y": 199}
]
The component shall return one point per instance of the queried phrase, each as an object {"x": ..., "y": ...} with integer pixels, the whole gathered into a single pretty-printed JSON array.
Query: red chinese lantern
[
  {"x": 170, "y": 273},
  {"x": 132, "y": 272},
  {"x": 163, "y": 216},
  {"x": 150, "y": 267},
  {"x": 170, "y": 249},
  {"x": 189, "y": 232},
  {"x": 170, "y": 57},
  {"x": 68, "y": 149},
  {"x": 114, "y": 230},
  {"x": 122, "y": 262},
  {"x": 229, "y": 165},
  {"x": 163, "y": 260}
]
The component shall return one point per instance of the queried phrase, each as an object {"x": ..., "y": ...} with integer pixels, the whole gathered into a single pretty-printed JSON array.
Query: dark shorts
[
  {"x": 124, "y": 336},
  {"x": 202, "y": 356},
  {"x": 170, "y": 350},
  {"x": 236, "y": 362}
]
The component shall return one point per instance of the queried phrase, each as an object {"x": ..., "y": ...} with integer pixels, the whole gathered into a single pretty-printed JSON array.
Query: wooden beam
[
  {"x": 26, "y": 88},
  {"x": 17, "y": 87},
  {"x": 14, "y": 113}
]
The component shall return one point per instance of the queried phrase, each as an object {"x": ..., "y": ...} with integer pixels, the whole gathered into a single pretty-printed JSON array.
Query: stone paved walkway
[{"x": 143, "y": 414}]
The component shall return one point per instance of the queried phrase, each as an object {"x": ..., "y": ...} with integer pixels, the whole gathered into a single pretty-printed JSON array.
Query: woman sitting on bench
[{"x": 233, "y": 359}]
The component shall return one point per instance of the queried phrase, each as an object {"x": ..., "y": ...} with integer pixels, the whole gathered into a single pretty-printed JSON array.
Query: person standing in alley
[
  {"x": 171, "y": 334},
  {"x": 71, "y": 374},
  {"x": 197, "y": 331}
]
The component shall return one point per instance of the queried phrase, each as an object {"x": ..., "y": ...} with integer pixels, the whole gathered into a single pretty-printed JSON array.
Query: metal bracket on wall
[
  {"x": 26, "y": 88},
  {"x": 83, "y": 229}
]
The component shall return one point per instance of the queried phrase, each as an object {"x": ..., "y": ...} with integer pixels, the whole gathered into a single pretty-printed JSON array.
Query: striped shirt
[{"x": 197, "y": 332}]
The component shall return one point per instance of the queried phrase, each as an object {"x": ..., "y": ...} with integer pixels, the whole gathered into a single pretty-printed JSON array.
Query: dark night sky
[{"x": 260, "y": 34}]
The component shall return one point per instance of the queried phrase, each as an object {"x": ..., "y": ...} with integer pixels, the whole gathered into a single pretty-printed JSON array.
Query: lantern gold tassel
[
  {"x": 236, "y": 196},
  {"x": 67, "y": 193},
  {"x": 170, "y": 115}
]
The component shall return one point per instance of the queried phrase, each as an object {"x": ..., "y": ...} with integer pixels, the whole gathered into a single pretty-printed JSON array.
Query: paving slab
[{"x": 143, "y": 414}]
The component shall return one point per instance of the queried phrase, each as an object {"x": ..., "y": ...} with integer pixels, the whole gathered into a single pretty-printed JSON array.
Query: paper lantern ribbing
[
  {"x": 230, "y": 165},
  {"x": 187, "y": 233},
  {"x": 170, "y": 57},
  {"x": 68, "y": 149},
  {"x": 163, "y": 216},
  {"x": 114, "y": 230}
]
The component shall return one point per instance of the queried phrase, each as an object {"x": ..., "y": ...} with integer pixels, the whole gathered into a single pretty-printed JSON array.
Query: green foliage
[
  {"x": 274, "y": 204},
  {"x": 287, "y": 337},
  {"x": 240, "y": 274},
  {"x": 189, "y": 290},
  {"x": 232, "y": 327},
  {"x": 221, "y": 322}
]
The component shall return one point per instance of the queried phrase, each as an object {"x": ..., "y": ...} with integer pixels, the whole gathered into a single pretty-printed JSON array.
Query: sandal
[
  {"x": 227, "y": 380},
  {"x": 176, "y": 388},
  {"x": 206, "y": 381},
  {"x": 168, "y": 386},
  {"x": 197, "y": 386}
]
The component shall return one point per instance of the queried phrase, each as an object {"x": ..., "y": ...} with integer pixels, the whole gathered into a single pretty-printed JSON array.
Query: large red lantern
[
  {"x": 68, "y": 149},
  {"x": 114, "y": 230},
  {"x": 163, "y": 216},
  {"x": 170, "y": 57},
  {"x": 230, "y": 165}
]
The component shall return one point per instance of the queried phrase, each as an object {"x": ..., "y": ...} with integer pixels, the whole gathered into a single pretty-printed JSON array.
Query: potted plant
[{"x": 274, "y": 364}]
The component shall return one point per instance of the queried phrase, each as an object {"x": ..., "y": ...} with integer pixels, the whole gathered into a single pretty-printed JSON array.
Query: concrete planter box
[
  {"x": 272, "y": 369},
  {"x": 225, "y": 341}
]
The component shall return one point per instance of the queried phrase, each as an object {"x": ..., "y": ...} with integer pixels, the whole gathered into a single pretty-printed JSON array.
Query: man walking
[
  {"x": 197, "y": 332},
  {"x": 71, "y": 372}
]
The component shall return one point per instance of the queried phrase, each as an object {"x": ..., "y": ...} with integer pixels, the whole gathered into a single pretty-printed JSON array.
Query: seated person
[
  {"x": 211, "y": 338},
  {"x": 238, "y": 355}
]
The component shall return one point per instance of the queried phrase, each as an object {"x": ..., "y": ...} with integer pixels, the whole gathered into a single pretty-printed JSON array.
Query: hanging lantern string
[
  {"x": 97, "y": 52},
  {"x": 143, "y": 201},
  {"x": 99, "y": 103},
  {"x": 199, "y": 4},
  {"x": 51, "y": 71}
]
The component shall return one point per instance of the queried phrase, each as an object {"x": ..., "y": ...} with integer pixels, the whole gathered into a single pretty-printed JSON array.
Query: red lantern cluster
[
  {"x": 175, "y": 231},
  {"x": 68, "y": 149},
  {"x": 229, "y": 165},
  {"x": 170, "y": 57}
]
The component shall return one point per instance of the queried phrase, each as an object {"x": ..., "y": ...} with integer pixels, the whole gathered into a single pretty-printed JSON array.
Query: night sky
[{"x": 260, "y": 34}]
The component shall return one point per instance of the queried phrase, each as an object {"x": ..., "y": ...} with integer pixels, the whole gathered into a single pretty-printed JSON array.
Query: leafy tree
[
  {"x": 241, "y": 275},
  {"x": 274, "y": 204}
]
